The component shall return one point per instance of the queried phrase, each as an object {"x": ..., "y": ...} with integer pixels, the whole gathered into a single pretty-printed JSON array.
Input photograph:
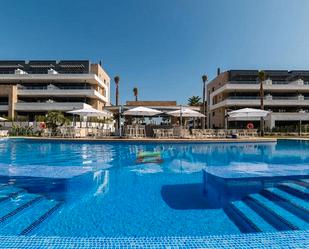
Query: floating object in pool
[{"x": 149, "y": 157}]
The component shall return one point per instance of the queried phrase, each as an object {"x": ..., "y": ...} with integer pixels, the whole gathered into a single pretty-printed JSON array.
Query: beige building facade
[
  {"x": 286, "y": 96},
  {"x": 31, "y": 88}
]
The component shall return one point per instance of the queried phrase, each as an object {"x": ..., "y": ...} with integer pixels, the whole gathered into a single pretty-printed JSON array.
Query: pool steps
[
  {"x": 283, "y": 207},
  {"x": 7, "y": 192},
  {"x": 21, "y": 212},
  {"x": 257, "y": 223},
  {"x": 290, "y": 202},
  {"x": 296, "y": 189}
]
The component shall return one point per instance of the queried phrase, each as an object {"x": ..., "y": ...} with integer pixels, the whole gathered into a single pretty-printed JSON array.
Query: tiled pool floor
[{"x": 290, "y": 239}]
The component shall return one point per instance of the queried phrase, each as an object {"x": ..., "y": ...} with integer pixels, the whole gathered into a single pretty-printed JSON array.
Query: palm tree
[
  {"x": 117, "y": 79},
  {"x": 194, "y": 101},
  {"x": 262, "y": 78},
  {"x": 135, "y": 92}
]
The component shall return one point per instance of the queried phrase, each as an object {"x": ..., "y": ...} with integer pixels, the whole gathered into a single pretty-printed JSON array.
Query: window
[{"x": 213, "y": 114}]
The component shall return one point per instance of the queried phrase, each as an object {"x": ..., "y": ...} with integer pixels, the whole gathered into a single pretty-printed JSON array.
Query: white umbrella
[
  {"x": 248, "y": 113},
  {"x": 186, "y": 112},
  {"x": 141, "y": 111},
  {"x": 3, "y": 119},
  {"x": 90, "y": 112}
]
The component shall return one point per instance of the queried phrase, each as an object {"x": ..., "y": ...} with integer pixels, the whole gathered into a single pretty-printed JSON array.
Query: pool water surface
[{"x": 124, "y": 188}]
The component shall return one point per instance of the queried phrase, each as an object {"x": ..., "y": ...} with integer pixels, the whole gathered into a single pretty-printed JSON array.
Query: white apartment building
[
  {"x": 30, "y": 88},
  {"x": 286, "y": 95}
]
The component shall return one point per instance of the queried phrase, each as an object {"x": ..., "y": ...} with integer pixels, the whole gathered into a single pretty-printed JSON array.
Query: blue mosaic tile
[{"x": 290, "y": 239}]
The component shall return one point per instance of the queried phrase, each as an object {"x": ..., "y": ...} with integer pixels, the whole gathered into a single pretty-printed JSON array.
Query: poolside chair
[
  {"x": 241, "y": 133},
  {"x": 169, "y": 133},
  {"x": 209, "y": 133},
  {"x": 63, "y": 132},
  {"x": 141, "y": 131},
  {"x": 158, "y": 133},
  {"x": 198, "y": 133},
  {"x": 76, "y": 132},
  {"x": 4, "y": 133},
  {"x": 221, "y": 133}
]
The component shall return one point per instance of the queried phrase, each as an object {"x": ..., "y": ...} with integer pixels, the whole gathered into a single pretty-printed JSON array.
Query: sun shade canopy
[{"x": 142, "y": 111}]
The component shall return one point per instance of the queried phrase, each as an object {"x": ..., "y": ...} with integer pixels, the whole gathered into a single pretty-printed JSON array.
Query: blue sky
[{"x": 160, "y": 46}]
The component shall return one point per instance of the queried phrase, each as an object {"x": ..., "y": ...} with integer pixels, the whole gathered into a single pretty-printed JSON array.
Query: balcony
[
  {"x": 4, "y": 106},
  {"x": 60, "y": 92},
  {"x": 49, "y": 106},
  {"x": 269, "y": 85},
  {"x": 48, "y": 78},
  {"x": 254, "y": 101}
]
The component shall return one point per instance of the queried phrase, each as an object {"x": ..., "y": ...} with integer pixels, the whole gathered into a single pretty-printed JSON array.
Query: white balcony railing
[
  {"x": 91, "y": 93},
  {"x": 255, "y": 102},
  {"x": 4, "y": 107},
  {"x": 49, "y": 106}
]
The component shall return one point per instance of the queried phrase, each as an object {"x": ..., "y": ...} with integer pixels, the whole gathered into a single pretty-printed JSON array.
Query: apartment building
[
  {"x": 286, "y": 95},
  {"x": 30, "y": 88}
]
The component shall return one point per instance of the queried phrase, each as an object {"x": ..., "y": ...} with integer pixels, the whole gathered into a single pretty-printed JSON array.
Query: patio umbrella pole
[{"x": 180, "y": 116}]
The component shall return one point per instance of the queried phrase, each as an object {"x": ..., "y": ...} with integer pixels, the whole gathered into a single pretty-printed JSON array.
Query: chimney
[{"x": 218, "y": 71}]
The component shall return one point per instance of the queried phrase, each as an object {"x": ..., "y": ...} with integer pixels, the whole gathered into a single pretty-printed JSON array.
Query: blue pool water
[{"x": 102, "y": 189}]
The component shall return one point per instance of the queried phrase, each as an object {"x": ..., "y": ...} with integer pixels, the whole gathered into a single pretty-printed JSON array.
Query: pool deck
[
  {"x": 155, "y": 140},
  {"x": 289, "y": 239}
]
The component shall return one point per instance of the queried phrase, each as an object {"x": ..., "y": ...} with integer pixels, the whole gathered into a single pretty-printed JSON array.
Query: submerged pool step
[
  {"x": 37, "y": 222},
  {"x": 253, "y": 219},
  {"x": 289, "y": 198},
  {"x": 29, "y": 218},
  {"x": 7, "y": 192},
  {"x": 296, "y": 189},
  {"x": 305, "y": 181},
  {"x": 290, "y": 219},
  {"x": 15, "y": 205}
]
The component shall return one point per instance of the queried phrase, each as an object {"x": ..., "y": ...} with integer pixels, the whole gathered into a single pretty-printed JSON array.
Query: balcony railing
[
  {"x": 243, "y": 82},
  {"x": 273, "y": 82},
  {"x": 243, "y": 97},
  {"x": 285, "y": 98},
  {"x": 54, "y": 88},
  {"x": 280, "y": 82},
  {"x": 267, "y": 97}
]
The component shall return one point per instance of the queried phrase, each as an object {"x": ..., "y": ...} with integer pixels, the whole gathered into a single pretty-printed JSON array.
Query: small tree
[
  {"x": 54, "y": 119},
  {"x": 194, "y": 101}
]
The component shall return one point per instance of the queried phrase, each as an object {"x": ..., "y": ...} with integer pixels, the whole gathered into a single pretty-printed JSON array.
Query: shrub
[{"x": 18, "y": 130}]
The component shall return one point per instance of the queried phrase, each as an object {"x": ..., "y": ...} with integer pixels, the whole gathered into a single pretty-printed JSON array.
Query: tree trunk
[
  {"x": 117, "y": 95},
  {"x": 204, "y": 106}
]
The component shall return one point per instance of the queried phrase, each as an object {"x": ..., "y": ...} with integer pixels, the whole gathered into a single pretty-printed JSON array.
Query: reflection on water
[
  {"x": 183, "y": 166},
  {"x": 175, "y": 158},
  {"x": 101, "y": 177},
  {"x": 147, "y": 168}
]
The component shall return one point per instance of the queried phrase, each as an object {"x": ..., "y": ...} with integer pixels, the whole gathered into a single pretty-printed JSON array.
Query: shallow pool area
[{"x": 137, "y": 189}]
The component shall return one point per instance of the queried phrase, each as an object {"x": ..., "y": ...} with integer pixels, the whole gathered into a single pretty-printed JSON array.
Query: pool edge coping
[{"x": 283, "y": 239}]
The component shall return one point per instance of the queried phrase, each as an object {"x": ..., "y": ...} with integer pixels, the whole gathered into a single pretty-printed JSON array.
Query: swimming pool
[{"x": 63, "y": 188}]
